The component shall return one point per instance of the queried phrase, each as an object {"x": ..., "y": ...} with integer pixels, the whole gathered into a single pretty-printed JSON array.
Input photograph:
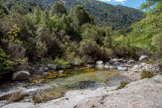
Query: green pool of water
[{"x": 82, "y": 78}]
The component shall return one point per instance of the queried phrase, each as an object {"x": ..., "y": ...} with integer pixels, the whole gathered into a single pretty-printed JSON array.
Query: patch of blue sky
[{"x": 129, "y": 3}]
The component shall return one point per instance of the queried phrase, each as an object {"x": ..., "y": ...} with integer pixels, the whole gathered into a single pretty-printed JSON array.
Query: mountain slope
[
  {"x": 119, "y": 17},
  {"x": 115, "y": 16}
]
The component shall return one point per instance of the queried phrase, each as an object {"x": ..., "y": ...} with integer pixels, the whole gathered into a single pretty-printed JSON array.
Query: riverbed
[{"x": 55, "y": 84}]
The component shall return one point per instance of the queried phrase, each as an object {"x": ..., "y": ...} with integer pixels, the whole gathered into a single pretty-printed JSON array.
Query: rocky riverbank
[
  {"x": 146, "y": 93},
  {"x": 103, "y": 97}
]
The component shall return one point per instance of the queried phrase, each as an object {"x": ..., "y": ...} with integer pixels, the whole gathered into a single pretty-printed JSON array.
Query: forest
[{"x": 36, "y": 33}]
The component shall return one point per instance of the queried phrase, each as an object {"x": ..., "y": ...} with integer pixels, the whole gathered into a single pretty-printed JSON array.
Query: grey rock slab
[{"x": 146, "y": 93}]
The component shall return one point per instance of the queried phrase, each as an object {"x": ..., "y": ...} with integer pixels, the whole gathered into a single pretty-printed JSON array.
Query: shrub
[
  {"x": 71, "y": 53},
  {"x": 122, "y": 85},
  {"x": 147, "y": 74},
  {"x": 61, "y": 63},
  {"x": 52, "y": 42},
  {"x": 41, "y": 49},
  {"x": 157, "y": 41},
  {"x": 5, "y": 63},
  {"x": 14, "y": 49},
  {"x": 16, "y": 53},
  {"x": 122, "y": 42},
  {"x": 90, "y": 48}
]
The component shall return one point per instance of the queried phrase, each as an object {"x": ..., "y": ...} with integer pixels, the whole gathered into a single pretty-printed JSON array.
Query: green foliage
[
  {"x": 90, "y": 48},
  {"x": 5, "y": 63},
  {"x": 41, "y": 49},
  {"x": 108, "y": 37},
  {"x": 37, "y": 15},
  {"x": 118, "y": 17},
  {"x": 157, "y": 41},
  {"x": 13, "y": 33},
  {"x": 152, "y": 6},
  {"x": 61, "y": 62},
  {"x": 122, "y": 42},
  {"x": 3, "y": 10},
  {"x": 146, "y": 32},
  {"x": 122, "y": 85},
  {"x": 68, "y": 36},
  {"x": 147, "y": 74},
  {"x": 80, "y": 16},
  {"x": 58, "y": 9}
]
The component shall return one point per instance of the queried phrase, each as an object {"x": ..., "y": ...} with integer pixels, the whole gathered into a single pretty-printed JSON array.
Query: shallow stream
[{"x": 70, "y": 79}]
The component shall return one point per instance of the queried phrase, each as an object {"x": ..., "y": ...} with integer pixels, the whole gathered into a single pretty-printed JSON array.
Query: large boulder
[
  {"x": 21, "y": 75},
  {"x": 143, "y": 57},
  {"x": 51, "y": 66}
]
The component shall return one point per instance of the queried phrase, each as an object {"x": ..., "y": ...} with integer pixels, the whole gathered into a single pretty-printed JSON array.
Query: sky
[{"x": 130, "y": 3}]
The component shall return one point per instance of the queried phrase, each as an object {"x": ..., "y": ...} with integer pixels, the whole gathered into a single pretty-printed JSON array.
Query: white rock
[
  {"x": 89, "y": 66},
  {"x": 46, "y": 69},
  {"x": 122, "y": 68},
  {"x": 112, "y": 67},
  {"x": 61, "y": 72},
  {"x": 143, "y": 57},
  {"x": 131, "y": 62},
  {"x": 107, "y": 66},
  {"x": 51, "y": 66},
  {"x": 101, "y": 66},
  {"x": 116, "y": 60},
  {"x": 135, "y": 66},
  {"x": 99, "y": 62}
]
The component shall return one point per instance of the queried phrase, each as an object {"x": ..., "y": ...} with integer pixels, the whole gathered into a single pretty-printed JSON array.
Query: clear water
[{"x": 77, "y": 78}]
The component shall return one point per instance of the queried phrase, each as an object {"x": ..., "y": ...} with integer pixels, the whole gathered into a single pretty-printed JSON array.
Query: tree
[
  {"x": 37, "y": 15},
  {"x": 81, "y": 16},
  {"x": 58, "y": 9},
  {"x": 108, "y": 38},
  {"x": 152, "y": 6},
  {"x": 146, "y": 32},
  {"x": 3, "y": 10}
]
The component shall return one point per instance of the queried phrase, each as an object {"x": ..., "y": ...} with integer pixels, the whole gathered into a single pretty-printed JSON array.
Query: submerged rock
[
  {"x": 86, "y": 84},
  {"x": 21, "y": 75}
]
